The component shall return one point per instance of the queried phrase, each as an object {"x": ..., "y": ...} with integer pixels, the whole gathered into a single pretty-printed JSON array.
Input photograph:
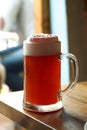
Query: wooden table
[{"x": 11, "y": 107}]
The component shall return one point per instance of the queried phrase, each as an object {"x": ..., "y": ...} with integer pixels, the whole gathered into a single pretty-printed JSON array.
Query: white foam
[{"x": 42, "y": 47}]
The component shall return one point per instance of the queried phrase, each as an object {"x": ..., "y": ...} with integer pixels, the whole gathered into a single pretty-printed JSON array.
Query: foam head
[{"x": 41, "y": 44}]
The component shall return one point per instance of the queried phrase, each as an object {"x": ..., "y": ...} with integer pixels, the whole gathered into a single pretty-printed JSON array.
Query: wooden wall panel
[
  {"x": 42, "y": 16},
  {"x": 77, "y": 33}
]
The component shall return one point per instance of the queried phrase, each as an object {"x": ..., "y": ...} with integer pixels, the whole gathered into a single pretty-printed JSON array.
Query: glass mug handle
[{"x": 76, "y": 70}]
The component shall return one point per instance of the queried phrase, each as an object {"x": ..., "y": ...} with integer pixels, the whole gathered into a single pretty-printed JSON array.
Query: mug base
[{"x": 42, "y": 108}]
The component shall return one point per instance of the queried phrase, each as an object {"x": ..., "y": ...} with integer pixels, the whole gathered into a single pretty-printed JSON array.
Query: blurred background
[{"x": 64, "y": 18}]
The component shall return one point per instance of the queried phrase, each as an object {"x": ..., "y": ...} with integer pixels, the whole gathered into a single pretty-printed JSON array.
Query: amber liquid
[{"x": 41, "y": 79}]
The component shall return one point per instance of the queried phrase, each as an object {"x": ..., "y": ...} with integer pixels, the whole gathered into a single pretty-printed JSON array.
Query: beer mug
[
  {"x": 42, "y": 73},
  {"x": 85, "y": 126}
]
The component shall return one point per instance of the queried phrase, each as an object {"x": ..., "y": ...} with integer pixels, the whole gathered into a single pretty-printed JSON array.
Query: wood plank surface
[
  {"x": 75, "y": 103},
  {"x": 11, "y": 107}
]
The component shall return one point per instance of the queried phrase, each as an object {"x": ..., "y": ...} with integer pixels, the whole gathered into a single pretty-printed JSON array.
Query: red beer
[
  {"x": 42, "y": 68},
  {"x": 42, "y": 79}
]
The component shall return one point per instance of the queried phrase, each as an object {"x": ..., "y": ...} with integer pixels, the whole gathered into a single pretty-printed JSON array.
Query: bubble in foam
[{"x": 41, "y": 37}]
